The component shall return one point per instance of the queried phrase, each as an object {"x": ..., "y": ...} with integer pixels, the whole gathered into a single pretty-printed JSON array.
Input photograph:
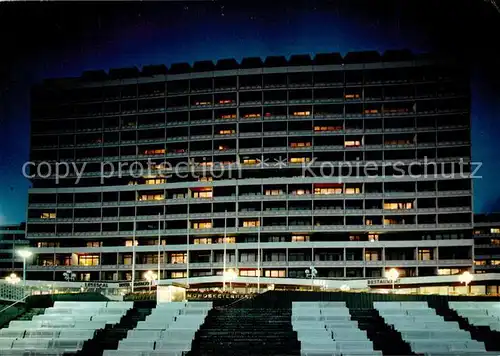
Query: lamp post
[
  {"x": 150, "y": 276},
  {"x": 24, "y": 254},
  {"x": 392, "y": 275},
  {"x": 13, "y": 279},
  {"x": 69, "y": 276},
  {"x": 230, "y": 275},
  {"x": 311, "y": 272},
  {"x": 466, "y": 278}
]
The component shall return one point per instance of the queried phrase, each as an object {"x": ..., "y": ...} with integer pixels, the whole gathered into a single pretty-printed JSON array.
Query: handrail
[{"x": 17, "y": 301}]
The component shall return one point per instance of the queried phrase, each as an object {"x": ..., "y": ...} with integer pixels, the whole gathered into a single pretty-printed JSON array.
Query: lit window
[
  {"x": 352, "y": 190},
  {"x": 227, "y": 132},
  {"x": 371, "y": 111},
  {"x": 495, "y": 242},
  {"x": 300, "y": 144},
  {"x": 448, "y": 271},
  {"x": 228, "y": 116},
  {"x": 203, "y": 241},
  {"x": 154, "y": 152},
  {"x": 132, "y": 182},
  {"x": 480, "y": 263},
  {"x": 223, "y": 148},
  {"x": 372, "y": 237},
  {"x": 328, "y": 128},
  {"x": 251, "y": 116},
  {"x": 226, "y": 101},
  {"x": 249, "y": 273},
  {"x": 301, "y": 113},
  {"x": 352, "y": 143},
  {"x": 179, "y": 274},
  {"x": 424, "y": 254},
  {"x": 299, "y": 159},
  {"x": 372, "y": 255},
  {"x": 352, "y": 96},
  {"x": 301, "y": 192},
  {"x": 495, "y": 230},
  {"x": 390, "y": 221},
  {"x": 88, "y": 260},
  {"x": 398, "y": 206},
  {"x": 202, "y": 103},
  {"x": 369, "y": 222},
  {"x": 203, "y": 193},
  {"x": 251, "y": 223},
  {"x": 48, "y": 244},
  {"x": 327, "y": 191},
  {"x": 300, "y": 238},
  {"x": 48, "y": 216},
  {"x": 206, "y": 179},
  {"x": 94, "y": 243},
  {"x": 178, "y": 258},
  {"x": 202, "y": 225},
  {"x": 250, "y": 161},
  {"x": 229, "y": 240},
  {"x": 273, "y": 192},
  {"x": 179, "y": 196},
  {"x": 148, "y": 197},
  {"x": 275, "y": 273},
  {"x": 129, "y": 243},
  {"x": 354, "y": 238},
  {"x": 155, "y": 181},
  {"x": 206, "y": 164},
  {"x": 495, "y": 262}
]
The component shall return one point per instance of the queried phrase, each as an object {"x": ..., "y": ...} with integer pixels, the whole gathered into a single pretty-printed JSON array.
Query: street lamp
[
  {"x": 24, "y": 254},
  {"x": 13, "y": 278},
  {"x": 69, "y": 276},
  {"x": 230, "y": 275},
  {"x": 392, "y": 275},
  {"x": 466, "y": 278},
  {"x": 150, "y": 276},
  {"x": 311, "y": 272}
]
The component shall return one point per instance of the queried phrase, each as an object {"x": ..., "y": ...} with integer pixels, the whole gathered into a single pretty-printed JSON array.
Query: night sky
[{"x": 57, "y": 40}]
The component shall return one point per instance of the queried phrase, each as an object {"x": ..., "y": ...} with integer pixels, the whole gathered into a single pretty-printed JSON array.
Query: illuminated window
[
  {"x": 148, "y": 197},
  {"x": 477, "y": 232},
  {"x": 352, "y": 143},
  {"x": 300, "y": 238},
  {"x": 300, "y": 144},
  {"x": 48, "y": 216},
  {"x": 424, "y": 254},
  {"x": 372, "y": 237},
  {"x": 495, "y": 242},
  {"x": 206, "y": 164},
  {"x": 250, "y": 161},
  {"x": 273, "y": 192},
  {"x": 495, "y": 230},
  {"x": 369, "y": 222},
  {"x": 371, "y": 111},
  {"x": 182, "y": 274},
  {"x": 495, "y": 262},
  {"x": 223, "y": 148},
  {"x": 249, "y": 273},
  {"x": 88, "y": 260},
  {"x": 328, "y": 128},
  {"x": 129, "y": 243},
  {"x": 154, "y": 152},
  {"x": 327, "y": 191},
  {"x": 206, "y": 179},
  {"x": 353, "y": 238},
  {"x": 275, "y": 273},
  {"x": 448, "y": 271},
  {"x": 155, "y": 181},
  {"x": 390, "y": 221},
  {"x": 94, "y": 243},
  {"x": 480, "y": 263},
  {"x": 132, "y": 182},
  {"x": 352, "y": 96},
  {"x": 229, "y": 240},
  {"x": 301, "y": 113},
  {"x": 203, "y": 241},
  {"x": 251, "y": 116},
  {"x": 203, "y": 193},
  {"x": 202, "y": 225},
  {"x": 301, "y": 192},
  {"x": 48, "y": 244},
  {"x": 397, "y": 206},
  {"x": 226, "y": 101},
  {"x": 299, "y": 159},
  {"x": 251, "y": 223},
  {"x": 352, "y": 190},
  {"x": 228, "y": 116},
  {"x": 372, "y": 255},
  {"x": 201, "y": 103},
  {"x": 227, "y": 132},
  {"x": 178, "y": 258}
]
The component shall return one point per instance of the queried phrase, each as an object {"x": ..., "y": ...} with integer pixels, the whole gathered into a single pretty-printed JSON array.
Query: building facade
[
  {"x": 487, "y": 243},
  {"x": 12, "y": 238},
  {"x": 351, "y": 164}
]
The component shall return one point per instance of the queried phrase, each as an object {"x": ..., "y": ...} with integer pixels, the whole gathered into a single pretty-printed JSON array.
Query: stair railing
[{"x": 16, "y": 302}]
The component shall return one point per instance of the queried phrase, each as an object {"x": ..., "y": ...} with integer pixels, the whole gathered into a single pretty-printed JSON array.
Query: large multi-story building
[
  {"x": 12, "y": 238},
  {"x": 352, "y": 164}
]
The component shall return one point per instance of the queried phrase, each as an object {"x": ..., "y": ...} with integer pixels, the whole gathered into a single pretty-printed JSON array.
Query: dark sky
[{"x": 42, "y": 40}]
